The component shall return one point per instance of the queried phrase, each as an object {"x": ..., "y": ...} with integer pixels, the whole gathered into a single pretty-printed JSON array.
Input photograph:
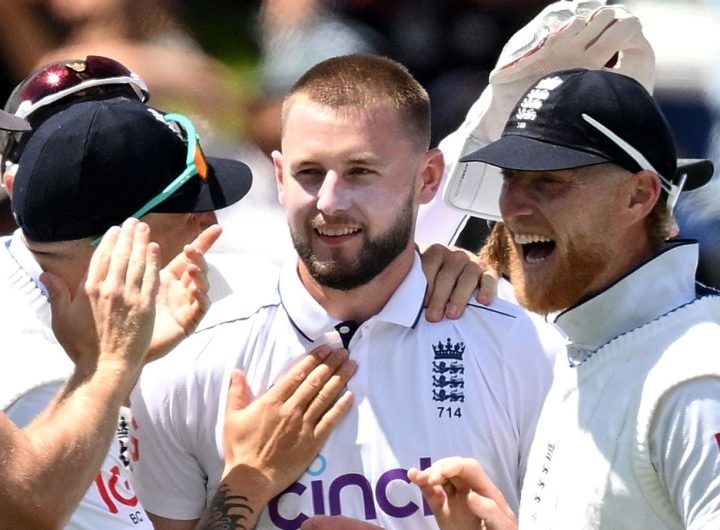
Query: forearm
[{"x": 53, "y": 463}]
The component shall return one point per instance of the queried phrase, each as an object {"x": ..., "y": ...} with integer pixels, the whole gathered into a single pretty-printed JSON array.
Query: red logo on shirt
[
  {"x": 115, "y": 490},
  {"x": 717, "y": 439}
]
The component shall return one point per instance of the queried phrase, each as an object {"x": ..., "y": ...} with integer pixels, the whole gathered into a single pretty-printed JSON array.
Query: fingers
[
  {"x": 469, "y": 474},
  {"x": 596, "y": 25},
  {"x": 100, "y": 260},
  {"x": 196, "y": 269},
  {"x": 207, "y": 238},
  {"x": 151, "y": 278},
  {"x": 331, "y": 417},
  {"x": 121, "y": 252},
  {"x": 494, "y": 516},
  {"x": 137, "y": 263},
  {"x": 434, "y": 495},
  {"x": 458, "y": 275},
  {"x": 431, "y": 258},
  {"x": 488, "y": 287},
  {"x": 239, "y": 395},
  {"x": 313, "y": 386},
  {"x": 613, "y": 32},
  {"x": 200, "y": 245},
  {"x": 325, "y": 383},
  {"x": 316, "y": 390}
]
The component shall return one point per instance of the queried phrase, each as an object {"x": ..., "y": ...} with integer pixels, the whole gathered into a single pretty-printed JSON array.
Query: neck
[{"x": 363, "y": 302}]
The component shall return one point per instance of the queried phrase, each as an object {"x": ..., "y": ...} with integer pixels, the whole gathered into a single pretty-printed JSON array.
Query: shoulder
[
  {"x": 514, "y": 323},
  {"x": 236, "y": 273},
  {"x": 241, "y": 285}
]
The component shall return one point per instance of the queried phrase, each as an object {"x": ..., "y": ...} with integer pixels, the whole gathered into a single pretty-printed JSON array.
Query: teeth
[
  {"x": 334, "y": 232},
  {"x": 524, "y": 239}
]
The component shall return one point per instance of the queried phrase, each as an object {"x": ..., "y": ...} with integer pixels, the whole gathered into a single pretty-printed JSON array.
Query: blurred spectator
[
  {"x": 146, "y": 36},
  {"x": 688, "y": 90},
  {"x": 294, "y": 35}
]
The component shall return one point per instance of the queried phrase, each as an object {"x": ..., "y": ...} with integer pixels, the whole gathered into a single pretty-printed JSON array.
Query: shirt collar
[
  {"x": 658, "y": 286},
  {"x": 21, "y": 254},
  {"x": 403, "y": 309}
]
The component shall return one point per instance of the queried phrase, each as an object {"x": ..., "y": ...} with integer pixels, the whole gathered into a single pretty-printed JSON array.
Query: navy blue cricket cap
[
  {"x": 95, "y": 163},
  {"x": 579, "y": 117}
]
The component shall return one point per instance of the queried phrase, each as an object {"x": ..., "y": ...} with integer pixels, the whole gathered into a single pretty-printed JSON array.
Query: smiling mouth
[
  {"x": 534, "y": 248},
  {"x": 326, "y": 231}
]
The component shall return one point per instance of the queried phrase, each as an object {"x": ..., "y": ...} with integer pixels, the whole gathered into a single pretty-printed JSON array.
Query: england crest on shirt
[{"x": 448, "y": 372}]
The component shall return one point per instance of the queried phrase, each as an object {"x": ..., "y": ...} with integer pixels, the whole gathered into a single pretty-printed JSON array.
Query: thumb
[
  {"x": 58, "y": 292},
  {"x": 239, "y": 393}
]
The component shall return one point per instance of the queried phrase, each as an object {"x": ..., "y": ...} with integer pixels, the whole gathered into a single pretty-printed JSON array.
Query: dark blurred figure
[
  {"x": 293, "y": 36},
  {"x": 450, "y": 46}
]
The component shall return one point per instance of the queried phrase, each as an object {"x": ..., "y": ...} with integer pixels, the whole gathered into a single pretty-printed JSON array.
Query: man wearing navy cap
[
  {"x": 85, "y": 169},
  {"x": 629, "y": 436}
]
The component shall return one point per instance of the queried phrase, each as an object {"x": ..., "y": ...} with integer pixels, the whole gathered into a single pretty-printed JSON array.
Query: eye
[
  {"x": 360, "y": 171},
  {"x": 308, "y": 172}
]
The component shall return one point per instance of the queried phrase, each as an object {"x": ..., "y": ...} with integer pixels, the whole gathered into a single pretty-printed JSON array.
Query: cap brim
[
  {"x": 474, "y": 188},
  {"x": 10, "y": 122},
  {"x": 521, "y": 153},
  {"x": 229, "y": 182},
  {"x": 699, "y": 171}
]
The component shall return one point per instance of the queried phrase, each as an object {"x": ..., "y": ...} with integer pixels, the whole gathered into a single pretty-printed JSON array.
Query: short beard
[
  {"x": 566, "y": 288},
  {"x": 376, "y": 255}
]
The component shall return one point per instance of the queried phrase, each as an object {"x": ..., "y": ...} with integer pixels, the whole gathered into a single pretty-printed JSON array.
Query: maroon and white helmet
[{"x": 56, "y": 85}]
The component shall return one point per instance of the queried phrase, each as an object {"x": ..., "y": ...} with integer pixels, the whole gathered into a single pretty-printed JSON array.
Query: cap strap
[{"x": 673, "y": 190}]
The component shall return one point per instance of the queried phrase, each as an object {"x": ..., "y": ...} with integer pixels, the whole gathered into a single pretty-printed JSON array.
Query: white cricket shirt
[{"x": 423, "y": 391}]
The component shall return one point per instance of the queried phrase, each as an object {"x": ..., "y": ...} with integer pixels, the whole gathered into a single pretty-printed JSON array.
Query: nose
[
  {"x": 514, "y": 198},
  {"x": 333, "y": 195}
]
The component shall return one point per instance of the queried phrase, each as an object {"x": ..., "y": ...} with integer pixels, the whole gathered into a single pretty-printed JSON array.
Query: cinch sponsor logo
[{"x": 326, "y": 498}]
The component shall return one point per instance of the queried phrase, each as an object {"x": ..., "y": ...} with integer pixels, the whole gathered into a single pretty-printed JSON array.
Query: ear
[
  {"x": 9, "y": 181},
  {"x": 644, "y": 193},
  {"x": 279, "y": 176},
  {"x": 432, "y": 175}
]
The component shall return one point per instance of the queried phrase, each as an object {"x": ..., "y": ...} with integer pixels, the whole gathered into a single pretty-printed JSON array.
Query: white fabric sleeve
[
  {"x": 685, "y": 450},
  {"x": 168, "y": 478}
]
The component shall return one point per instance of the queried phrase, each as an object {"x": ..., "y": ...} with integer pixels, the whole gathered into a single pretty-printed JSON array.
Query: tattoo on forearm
[{"x": 218, "y": 516}]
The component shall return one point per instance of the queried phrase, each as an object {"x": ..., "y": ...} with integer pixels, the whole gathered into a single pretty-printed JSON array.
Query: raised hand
[
  {"x": 280, "y": 433},
  {"x": 565, "y": 35},
  {"x": 109, "y": 320},
  {"x": 462, "y": 496},
  {"x": 182, "y": 299}
]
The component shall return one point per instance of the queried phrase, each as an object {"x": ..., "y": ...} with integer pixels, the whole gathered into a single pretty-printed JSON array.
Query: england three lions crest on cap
[
  {"x": 533, "y": 101},
  {"x": 448, "y": 379}
]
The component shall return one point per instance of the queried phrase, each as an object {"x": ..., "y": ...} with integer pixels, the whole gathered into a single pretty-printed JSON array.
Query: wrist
[
  {"x": 112, "y": 376},
  {"x": 251, "y": 483}
]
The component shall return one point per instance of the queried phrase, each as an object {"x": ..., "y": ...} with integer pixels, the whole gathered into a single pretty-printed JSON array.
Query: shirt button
[{"x": 344, "y": 329}]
